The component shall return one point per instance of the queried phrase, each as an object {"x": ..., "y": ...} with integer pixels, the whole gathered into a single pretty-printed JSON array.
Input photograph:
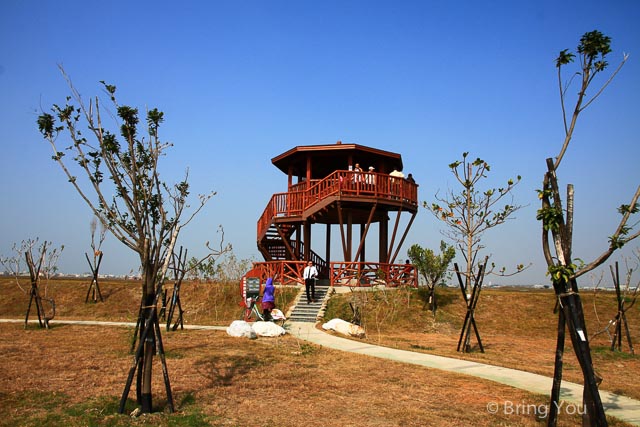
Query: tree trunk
[
  {"x": 148, "y": 312},
  {"x": 146, "y": 404},
  {"x": 594, "y": 411},
  {"x": 557, "y": 372}
]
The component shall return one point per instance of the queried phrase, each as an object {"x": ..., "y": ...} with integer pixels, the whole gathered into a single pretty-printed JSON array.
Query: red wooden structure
[{"x": 334, "y": 185}]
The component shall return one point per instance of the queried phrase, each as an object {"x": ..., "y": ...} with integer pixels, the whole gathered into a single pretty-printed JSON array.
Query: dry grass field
[{"x": 74, "y": 375}]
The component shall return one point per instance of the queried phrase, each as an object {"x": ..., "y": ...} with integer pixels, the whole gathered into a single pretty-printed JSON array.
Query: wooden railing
[
  {"x": 282, "y": 272},
  {"x": 305, "y": 195},
  {"x": 363, "y": 274},
  {"x": 353, "y": 274}
]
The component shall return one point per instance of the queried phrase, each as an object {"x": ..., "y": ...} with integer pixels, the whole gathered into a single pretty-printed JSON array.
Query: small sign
[{"x": 252, "y": 287}]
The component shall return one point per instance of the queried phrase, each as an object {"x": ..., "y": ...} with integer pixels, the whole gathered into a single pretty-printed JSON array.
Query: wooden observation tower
[{"x": 337, "y": 187}]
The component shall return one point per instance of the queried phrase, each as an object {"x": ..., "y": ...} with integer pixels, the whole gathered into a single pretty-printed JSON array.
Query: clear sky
[{"x": 241, "y": 82}]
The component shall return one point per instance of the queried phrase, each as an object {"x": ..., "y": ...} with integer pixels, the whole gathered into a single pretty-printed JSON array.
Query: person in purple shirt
[{"x": 268, "y": 300}]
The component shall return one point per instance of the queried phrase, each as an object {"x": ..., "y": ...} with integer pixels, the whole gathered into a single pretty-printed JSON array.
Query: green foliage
[
  {"x": 551, "y": 217},
  {"x": 53, "y": 410},
  {"x": 136, "y": 206},
  {"x": 606, "y": 353},
  {"x": 201, "y": 269},
  {"x": 431, "y": 266},
  {"x": 561, "y": 273},
  {"x": 131, "y": 167},
  {"x": 593, "y": 48},
  {"x": 592, "y": 52}
]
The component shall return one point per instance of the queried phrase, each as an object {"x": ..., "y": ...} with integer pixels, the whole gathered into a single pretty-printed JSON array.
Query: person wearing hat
[{"x": 371, "y": 176}]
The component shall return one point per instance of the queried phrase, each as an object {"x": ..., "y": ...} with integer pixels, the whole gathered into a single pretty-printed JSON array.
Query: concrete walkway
[
  {"x": 617, "y": 406},
  {"x": 621, "y": 407}
]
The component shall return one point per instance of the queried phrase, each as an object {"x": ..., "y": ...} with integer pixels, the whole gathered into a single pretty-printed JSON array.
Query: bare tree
[
  {"x": 557, "y": 226},
  {"x": 624, "y": 294},
  {"x": 117, "y": 175},
  {"x": 44, "y": 265},
  {"x": 470, "y": 213},
  {"x": 94, "y": 286}
]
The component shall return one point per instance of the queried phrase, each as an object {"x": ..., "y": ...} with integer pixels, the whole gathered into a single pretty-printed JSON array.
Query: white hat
[{"x": 370, "y": 168}]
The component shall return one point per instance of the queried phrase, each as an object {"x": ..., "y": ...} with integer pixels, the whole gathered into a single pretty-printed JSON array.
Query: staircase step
[{"x": 304, "y": 312}]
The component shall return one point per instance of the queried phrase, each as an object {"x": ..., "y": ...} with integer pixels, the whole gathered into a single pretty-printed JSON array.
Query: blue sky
[{"x": 241, "y": 82}]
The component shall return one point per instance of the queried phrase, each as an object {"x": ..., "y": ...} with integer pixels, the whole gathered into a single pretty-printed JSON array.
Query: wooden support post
[
  {"x": 307, "y": 240},
  {"x": 328, "y": 246},
  {"x": 363, "y": 235},
  {"x": 349, "y": 258},
  {"x": 404, "y": 235},
  {"x": 342, "y": 234},
  {"x": 383, "y": 239}
]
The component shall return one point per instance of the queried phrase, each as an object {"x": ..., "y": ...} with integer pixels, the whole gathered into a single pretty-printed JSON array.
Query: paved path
[
  {"x": 617, "y": 406},
  {"x": 621, "y": 407}
]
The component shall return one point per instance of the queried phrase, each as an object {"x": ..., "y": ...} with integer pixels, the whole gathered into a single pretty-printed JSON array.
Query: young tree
[
  {"x": 117, "y": 175},
  {"x": 557, "y": 225},
  {"x": 231, "y": 269},
  {"x": 432, "y": 267},
  {"x": 43, "y": 266},
  {"x": 207, "y": 268},
  {"x": 94, "y": 286},
  {"x": 470, "y": 213}
]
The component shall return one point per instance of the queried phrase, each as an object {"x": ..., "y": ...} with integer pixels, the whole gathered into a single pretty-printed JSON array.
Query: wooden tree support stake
[
  {"x": 621, "y": 317},
  {"x": 150, "y": 335},
  {"x": 34, "y": 294},
  {"x": 471, "y": 301},
  {"x": 179, "y": 271},
  {"x": 94, "y": 286}
]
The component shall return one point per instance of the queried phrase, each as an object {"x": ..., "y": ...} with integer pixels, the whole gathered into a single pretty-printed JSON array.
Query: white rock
[
  {"x": 345, "y": 328},
  {"x": 268, "y": 329},
  {"x": 240, "y": 328}
]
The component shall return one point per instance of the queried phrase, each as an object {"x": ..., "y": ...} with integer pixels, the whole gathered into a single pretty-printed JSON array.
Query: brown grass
[
  {"x": 517, "y": 328},
  {"x": 74, "y": 375}
]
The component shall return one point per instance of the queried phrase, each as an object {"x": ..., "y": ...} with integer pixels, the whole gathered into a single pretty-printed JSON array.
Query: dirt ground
[
  {"x": 75, "y": 375},
  {"x": 234, "y": 381}
]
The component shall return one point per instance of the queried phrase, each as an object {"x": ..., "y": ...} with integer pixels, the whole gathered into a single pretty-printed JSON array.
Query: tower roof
[{"x": 328, "y": 158}]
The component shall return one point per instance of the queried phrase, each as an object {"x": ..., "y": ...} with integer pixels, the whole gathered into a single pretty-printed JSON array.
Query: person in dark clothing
[{"x": 309, "y": 275}]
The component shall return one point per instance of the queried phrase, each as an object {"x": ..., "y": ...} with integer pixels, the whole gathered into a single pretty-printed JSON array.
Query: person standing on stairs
[{"x": 310, "y": 274}]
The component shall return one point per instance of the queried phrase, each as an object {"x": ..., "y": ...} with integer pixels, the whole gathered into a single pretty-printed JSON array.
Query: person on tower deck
[
  {"x": 370, "y": 179},
  {"x": 407, "y": 271},
  {"x": 357, "y": 173},
  {"x": 310, "y": 274},
  {"x": 396, "y": 184}
]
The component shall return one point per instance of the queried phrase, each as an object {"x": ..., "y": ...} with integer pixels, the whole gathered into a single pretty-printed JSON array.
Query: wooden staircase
[
  {"x": 303, "y": 312},
  {"x": 274, "y": 247}
]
